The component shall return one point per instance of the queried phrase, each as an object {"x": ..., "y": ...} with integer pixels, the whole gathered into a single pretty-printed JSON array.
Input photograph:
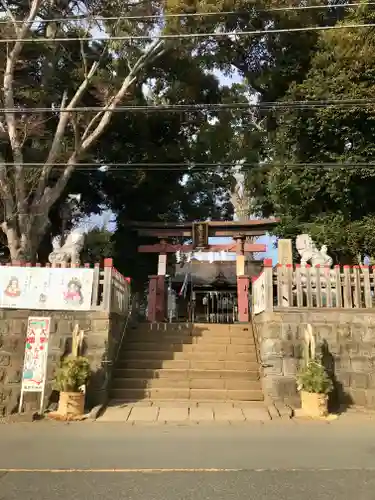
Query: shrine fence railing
[
  {"x": 289, "y": 286},
  {"x": 111, "y": 290}
]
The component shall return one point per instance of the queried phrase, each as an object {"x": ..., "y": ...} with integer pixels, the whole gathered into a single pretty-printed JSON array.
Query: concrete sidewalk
[
  {"x": 347, "y": 443},
  {"x": 187, "y": 412}
]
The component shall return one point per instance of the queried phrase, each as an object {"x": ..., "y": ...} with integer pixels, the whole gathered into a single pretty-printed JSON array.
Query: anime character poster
[
  {"x": 46, "y": 288},
  {"x": 36, "y": 354},
  {"x": 72, "y": 289},
  {"x": 14, "y": 286}
]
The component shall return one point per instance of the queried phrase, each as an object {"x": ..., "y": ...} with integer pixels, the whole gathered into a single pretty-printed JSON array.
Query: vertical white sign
[
  {"x": 34, "y": 371},
  {"x": 259, "y": 294}
]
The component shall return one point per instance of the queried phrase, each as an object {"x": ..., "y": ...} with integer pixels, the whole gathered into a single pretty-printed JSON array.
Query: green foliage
[
  {"x": 73, "y": 373},
  {"x": 98, "y": 245},
  {"x": 333, "y": 204},
  {"x": 313, "y": 378}
]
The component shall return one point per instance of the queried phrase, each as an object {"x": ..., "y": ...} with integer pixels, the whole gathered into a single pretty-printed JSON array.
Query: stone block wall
[
  {"x": 349, "y": 337},
  {"x": 102, "y": 333}
]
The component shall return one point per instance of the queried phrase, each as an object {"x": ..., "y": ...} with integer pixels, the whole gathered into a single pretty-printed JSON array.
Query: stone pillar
[
  {"x": 161, "y": 296},
  {"x": 240, "y": 255},
  {"x": 243, "y": 298},
  {"x": 285, "y": 260},
  {"x": 268, "y": 282}
]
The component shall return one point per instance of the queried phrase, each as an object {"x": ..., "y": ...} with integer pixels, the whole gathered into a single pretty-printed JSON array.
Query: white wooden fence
[
  {"x": 111, "y": 290},
  {"x": 305, "y": 286}
]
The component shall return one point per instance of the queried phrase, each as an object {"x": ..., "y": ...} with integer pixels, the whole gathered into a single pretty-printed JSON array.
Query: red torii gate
[{"x": 199, "y": 232}]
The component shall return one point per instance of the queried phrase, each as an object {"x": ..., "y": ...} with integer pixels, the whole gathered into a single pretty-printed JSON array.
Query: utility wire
[
  {"x": 198, "y": 167},
  {"x": 163, "y": 16},
  {"x": 199, "y": 107},
  {"x": 178, "y": 36}
]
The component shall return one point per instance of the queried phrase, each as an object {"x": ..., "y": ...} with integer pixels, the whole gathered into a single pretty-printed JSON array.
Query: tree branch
[
  {"x": 154, "y": 51},
  {"x": 5, "y": 193},
  {"x": 60, "y": 130},
  {"x": 9, "y": 105},
  {"x": 4, "y": 5},
  {"x": 52, "y": 195}
]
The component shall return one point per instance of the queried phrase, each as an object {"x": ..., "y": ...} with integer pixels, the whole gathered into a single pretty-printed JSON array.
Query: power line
[
  {"x": 162, "y": 16},
  {"x": 200, "y": 107},
  {"x": 187, "y": 35},
  {"x": 198, "y": 167},
  {"x": 318, "y": 7}
]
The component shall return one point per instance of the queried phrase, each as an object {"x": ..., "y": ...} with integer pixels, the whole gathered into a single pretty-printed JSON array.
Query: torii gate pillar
[
  {"x": 156, "y": 299},
  {"x": 242, "y": 281}
]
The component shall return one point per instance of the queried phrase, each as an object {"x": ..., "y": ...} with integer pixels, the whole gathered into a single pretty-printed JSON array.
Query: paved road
[
  {"x": 283, "y": 461},
  {"x": 247, "y": 485}
]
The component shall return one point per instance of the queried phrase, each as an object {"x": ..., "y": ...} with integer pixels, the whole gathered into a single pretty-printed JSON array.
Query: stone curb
[
  {"x": 18, "y": 418},
  {"x": 96, "y": 412},
  {"x": 284, "y": 411}
]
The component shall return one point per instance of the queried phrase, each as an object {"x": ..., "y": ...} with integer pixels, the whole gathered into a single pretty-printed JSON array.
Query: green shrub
[
  {"x": 73, "y": 373},
  {"x": 314, "y": 379}
]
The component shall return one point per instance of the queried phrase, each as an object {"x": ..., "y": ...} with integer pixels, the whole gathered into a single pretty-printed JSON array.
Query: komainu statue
[
  {"x": 69, "y": 251},
  {"x": 309, "y": 252}
]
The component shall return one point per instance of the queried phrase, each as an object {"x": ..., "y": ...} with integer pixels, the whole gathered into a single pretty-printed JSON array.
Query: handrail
[{"x": 124, "y": 328}]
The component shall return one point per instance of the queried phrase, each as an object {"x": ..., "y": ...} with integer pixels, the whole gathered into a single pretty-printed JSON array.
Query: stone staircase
[{"x": 200, "y": 362}]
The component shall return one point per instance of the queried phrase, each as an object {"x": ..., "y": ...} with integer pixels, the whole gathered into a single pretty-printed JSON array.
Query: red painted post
[
  {"x": 152, "y": 299},
  {"x": 160, "y": 299},
  {"x": 243, "y": 298}
]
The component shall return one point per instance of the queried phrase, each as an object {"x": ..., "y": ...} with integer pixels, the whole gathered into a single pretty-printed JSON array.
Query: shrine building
[{"x": 203, "y": 291}]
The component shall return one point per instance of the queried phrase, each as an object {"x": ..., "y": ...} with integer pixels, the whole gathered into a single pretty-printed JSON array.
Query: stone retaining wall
[
  {"x": 102, "y": 332},
  {"x": 349, "y": 337}
]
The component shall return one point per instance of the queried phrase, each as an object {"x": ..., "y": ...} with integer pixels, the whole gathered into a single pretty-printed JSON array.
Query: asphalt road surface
[{"x": 45, "y": 461}]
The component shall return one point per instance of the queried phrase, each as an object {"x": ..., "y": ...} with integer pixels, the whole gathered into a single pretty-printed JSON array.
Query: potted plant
[
  {"x": 314, "y": 385},
  {"x": 70, "y": 381}
]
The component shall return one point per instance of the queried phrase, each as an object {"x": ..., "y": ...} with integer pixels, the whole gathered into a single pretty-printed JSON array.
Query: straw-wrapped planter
[
  {"x": 314, "y": 385},
  {"x": 70, "y": 380}
]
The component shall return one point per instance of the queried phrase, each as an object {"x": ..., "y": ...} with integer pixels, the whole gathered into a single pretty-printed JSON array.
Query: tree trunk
[
  {"x": 14, "y": 243},
  {"x": 23, "y": 246}
]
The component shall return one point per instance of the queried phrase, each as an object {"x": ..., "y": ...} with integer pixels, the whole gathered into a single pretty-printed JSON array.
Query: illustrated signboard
[
  {"x": 46, "y": 288},
  {"x": 35, "y": 360}
]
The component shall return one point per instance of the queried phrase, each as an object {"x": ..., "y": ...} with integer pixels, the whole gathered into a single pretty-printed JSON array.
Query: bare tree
[{"x": 27, "y": 197}]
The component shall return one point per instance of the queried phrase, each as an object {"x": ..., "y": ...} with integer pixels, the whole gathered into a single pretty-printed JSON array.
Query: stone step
[
  {"x": 212, "y": 355},
  {"x": 197, "y": 327},
  {"x": 181, "y": 347},
  {"x": 190, "y": 326},
  {"x": 207, "y": 333},
  {"x": 186, "y": 394},
  {"x": 186, "y": 383},
  {"x": 188, "y": 339},
  {"x": 178, "y": 374},
  {"x": 155, "y": 364}
]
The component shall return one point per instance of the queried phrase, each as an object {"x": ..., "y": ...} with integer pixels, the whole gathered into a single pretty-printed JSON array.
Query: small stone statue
[
  {"x": 70, "y": 251},
  {"x": 309, "y": 252}
]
